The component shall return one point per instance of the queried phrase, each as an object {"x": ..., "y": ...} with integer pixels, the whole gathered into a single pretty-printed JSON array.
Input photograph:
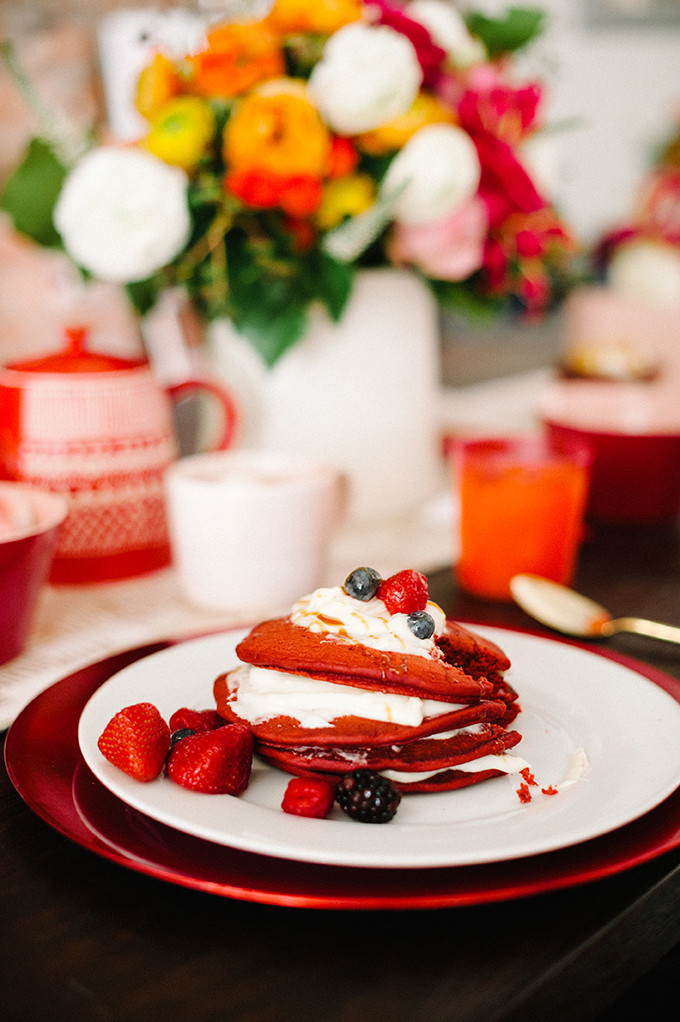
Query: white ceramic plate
[{"x": 572, "y": 700}]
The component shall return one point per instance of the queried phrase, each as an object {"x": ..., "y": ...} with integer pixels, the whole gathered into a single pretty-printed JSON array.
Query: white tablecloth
[{"x": 78, "y": 625}]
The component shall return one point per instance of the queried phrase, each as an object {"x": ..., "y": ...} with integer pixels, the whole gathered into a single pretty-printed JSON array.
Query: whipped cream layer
[
  {"x": 263, "y": 694},
  {"x": 504, "y": 762},
  {"x": 330, "y": 610}
]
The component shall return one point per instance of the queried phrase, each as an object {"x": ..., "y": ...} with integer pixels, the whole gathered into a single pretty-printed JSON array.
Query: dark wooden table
[{"x": 85, "y": 938}]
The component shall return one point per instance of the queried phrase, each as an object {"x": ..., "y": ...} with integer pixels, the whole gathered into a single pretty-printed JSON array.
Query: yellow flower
[
  {"x": 279, "y": 130},
  {"x": 323, "y": 16},
  {"x": 343, "y": 197},
  {"x": 426, "y": 109},
  {"x": 181, "y": 131},
  {"x": 158, "y": 83}
]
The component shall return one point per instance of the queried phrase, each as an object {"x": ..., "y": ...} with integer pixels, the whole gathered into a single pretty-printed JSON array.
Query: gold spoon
[{"x": 569, "y": 612}]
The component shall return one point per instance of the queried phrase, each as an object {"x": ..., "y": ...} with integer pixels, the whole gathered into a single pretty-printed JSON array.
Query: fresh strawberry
[
  {"x": 195, "y": 720},
  {"x": 215, "y": 762},
  {"x": 404, "y": 592},
  {"x": 308, "y": 796},
  {"x": 136, "y": 740}
]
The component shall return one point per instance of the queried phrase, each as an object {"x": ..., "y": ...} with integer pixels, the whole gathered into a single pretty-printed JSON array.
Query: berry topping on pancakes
[
  {"x": 367, "y": 797},
  {"x": 362, "y": 583},
  {"x": 404, "y": 593}
]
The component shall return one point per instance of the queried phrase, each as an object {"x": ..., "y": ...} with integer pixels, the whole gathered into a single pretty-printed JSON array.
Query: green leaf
[
  {"x": 144, "y": 294},
  {"x": 331, "y": 282},
  {"x": 507, "y": 34},
  {"x": 462, "y": 298},
  {"x": 31, "y": 193}
]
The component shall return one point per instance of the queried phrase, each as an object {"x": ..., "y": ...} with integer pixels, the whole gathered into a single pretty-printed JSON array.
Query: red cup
[
  {"x": 635, "y": 477},
  {"x": 25, "y": 558}
]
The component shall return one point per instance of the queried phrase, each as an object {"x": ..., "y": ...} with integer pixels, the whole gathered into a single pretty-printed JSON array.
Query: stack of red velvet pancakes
[{"x": 345, "y": 683}]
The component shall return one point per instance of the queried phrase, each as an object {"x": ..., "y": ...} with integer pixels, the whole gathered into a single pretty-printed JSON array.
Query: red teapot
[{"x": 99, "y": 429}]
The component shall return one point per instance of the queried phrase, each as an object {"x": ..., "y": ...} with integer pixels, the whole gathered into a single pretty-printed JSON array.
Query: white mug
[{"x": 251, "y": 530}]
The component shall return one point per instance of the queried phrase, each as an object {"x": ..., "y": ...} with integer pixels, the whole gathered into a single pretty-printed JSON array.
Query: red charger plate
[{"x": 45, "y": 765}]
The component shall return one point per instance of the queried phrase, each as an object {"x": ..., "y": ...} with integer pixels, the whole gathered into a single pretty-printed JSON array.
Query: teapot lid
[{"x": 75, "y": 358}]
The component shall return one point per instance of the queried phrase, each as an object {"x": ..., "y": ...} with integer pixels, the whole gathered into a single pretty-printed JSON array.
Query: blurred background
[{"x": 610, "y": 73}]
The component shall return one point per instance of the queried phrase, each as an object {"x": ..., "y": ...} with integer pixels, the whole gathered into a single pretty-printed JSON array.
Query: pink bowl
[
  {"x": 26, "y": 552},
  {"x": 635, "y": 477}
]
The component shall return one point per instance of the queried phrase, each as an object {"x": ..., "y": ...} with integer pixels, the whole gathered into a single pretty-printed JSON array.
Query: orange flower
[
  {"x": 238, "y": 56},
  {"x": 393, "y": 135},
  {"x": 277, "y": 131},
  {"x": 323, "y": 16},
  {"x": 158, "y": 83}
]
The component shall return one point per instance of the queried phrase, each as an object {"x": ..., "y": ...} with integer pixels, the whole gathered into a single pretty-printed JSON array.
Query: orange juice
[{"x": 522, "y": 504}]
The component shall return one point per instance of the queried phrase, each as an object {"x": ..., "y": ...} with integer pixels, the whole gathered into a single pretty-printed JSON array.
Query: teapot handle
[{"x": 230, "y": 415}]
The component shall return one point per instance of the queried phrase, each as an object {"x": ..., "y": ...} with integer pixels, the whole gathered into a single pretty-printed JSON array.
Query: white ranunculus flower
[
  {"x": 647, "y": 270},
  {"x": 448, "y": 30},
  {"x": 367, "y": 76},
  {"x": 436, "y": 172},
  {"x": 123, "y": 213}
]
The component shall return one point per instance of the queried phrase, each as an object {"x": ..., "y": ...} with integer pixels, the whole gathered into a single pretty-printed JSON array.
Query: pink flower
[{"x": 448, "y": 249}]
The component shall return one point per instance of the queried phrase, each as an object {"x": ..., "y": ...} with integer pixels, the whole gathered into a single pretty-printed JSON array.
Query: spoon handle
[{"x": 640, "y": 626}]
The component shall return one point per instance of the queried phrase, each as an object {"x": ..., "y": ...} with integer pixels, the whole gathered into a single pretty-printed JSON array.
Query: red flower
[
  {"x": 430, "y": 56},
  {"x": 299, "y": 195},
  {"x": 500, "y": 110},
  {"x": 505, "y": 185},
  {"x": 343, "y": 157}
]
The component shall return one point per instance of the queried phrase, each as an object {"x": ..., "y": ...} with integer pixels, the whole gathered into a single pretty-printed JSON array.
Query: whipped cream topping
[
  {"x": 330, "y": 610},
  {"x": 263, "y": 694}
]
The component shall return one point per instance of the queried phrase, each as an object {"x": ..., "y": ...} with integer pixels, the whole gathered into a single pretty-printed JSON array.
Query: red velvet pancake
[
  {"x": 436, "y": 754},
  {"x": 349, "y": 731},
  {"x": 283, "y": 646},
  {"x": 465, "y": 670}
]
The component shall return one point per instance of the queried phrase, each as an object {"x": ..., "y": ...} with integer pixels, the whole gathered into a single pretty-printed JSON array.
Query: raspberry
[
  {"x": 367, "y": 797},
  {"x": 308, "y": 796},
  {"x": 195, "y": 720},
  {"x": 404, "y": 593},
  {"x": 136, "y": 740},
  {"x": 216, "y": 762}
]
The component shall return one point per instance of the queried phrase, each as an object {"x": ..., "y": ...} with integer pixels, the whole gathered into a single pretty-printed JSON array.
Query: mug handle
[{"x": 230, "y": 415}]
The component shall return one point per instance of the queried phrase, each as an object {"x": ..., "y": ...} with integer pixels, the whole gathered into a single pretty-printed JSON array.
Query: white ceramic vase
[{"x": 361, "y": 394}]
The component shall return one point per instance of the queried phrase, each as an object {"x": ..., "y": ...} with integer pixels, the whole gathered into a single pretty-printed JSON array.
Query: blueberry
[
  {"x": 362, "y": 583},
  {"x": 178, "y": 735},
  {"x": 421, "y": 624}
]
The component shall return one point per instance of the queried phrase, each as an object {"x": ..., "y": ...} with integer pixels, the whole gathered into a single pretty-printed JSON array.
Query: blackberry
[
  {"x": 421, "y": 624},
  {"x": 367, "y": 797},
  {"x": 362, "y": 583}
]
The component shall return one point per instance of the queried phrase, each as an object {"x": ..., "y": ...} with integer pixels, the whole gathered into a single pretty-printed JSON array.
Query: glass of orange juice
[{"x": 522, "y": 501}]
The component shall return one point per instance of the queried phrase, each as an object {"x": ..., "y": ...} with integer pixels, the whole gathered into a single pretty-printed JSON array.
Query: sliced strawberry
[
  {"x": 309, "y": 796},
  {"x": 215, "y": 762},
  {"x": 404, "y": 593},
  {"x": 136, "y": 740},
  {"x": 195, "y": 720}
]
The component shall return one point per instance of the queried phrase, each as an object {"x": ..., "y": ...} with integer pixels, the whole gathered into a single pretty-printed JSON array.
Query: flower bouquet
[
  {"x": 286, "y": 152},
  {"x": 641, "y": 258}
]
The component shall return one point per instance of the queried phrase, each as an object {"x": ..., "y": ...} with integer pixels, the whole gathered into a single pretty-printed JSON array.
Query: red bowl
[
  {"x": 635, "y": 478},
  {"x": 25, "y": 558}
]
